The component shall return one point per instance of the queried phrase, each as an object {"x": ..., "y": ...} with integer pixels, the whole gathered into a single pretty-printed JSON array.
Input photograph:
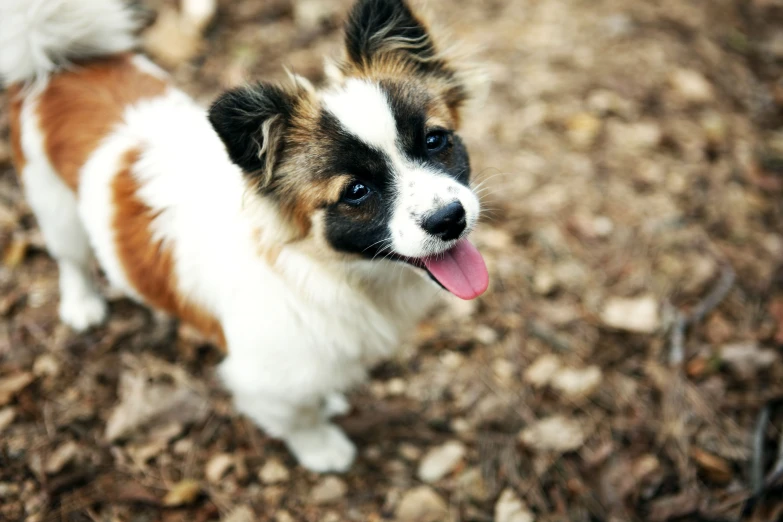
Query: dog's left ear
[
  {"x": 388, "y": 27},
  {"x": 252, "y": 121}
]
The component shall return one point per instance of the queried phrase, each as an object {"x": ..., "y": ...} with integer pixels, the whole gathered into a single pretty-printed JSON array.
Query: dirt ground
[{"x": 625, "y": 365}]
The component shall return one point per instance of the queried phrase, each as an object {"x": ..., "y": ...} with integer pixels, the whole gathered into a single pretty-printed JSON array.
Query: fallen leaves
[
  {"x": 145, "y": 403},
  {"x": 10, "y": 386},
  {"x": 182, "y": 493}
]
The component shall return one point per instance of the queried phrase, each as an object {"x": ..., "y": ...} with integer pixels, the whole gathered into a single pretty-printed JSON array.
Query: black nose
[{"x": 447, "y": 223}]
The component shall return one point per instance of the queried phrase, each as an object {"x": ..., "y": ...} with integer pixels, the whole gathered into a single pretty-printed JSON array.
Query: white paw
[
  {"x": 83, "y": 312},
  {"x": 336, "y": 404},
  {"x": 325, "y": 448}
]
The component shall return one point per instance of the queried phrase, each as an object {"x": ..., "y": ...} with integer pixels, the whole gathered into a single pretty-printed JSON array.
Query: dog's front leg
[{"x": 278, "y": 402}]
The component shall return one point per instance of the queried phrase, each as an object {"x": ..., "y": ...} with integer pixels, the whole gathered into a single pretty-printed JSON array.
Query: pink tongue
[{"x": 461, "y": 270}]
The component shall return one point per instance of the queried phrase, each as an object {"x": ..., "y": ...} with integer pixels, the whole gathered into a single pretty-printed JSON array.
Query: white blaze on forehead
[{"x": 363, "y": 110}]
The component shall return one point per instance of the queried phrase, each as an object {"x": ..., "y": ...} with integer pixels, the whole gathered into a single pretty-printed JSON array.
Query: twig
[
  {"x": 542, "y": 332},
  {"x": 757, "y": 464},
  {"x": 682, "y": 320}
]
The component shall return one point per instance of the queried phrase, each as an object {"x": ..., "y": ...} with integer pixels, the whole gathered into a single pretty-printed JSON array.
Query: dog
[{"x": 299, "y": 228}]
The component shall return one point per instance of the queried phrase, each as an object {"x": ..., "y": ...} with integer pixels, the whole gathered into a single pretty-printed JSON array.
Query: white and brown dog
[{"x": 297, "y": 227}]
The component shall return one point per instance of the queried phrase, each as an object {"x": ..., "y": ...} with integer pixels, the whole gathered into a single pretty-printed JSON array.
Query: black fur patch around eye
[
  {"x": 362, "y": 229},
  {"x": 408, "y": 108}
]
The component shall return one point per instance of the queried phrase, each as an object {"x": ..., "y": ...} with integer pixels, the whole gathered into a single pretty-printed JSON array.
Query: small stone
[
  {"x": 746, "y": 359},
  {"x": 61, "y": 457},
  {"x": 603, "y": 226},
  {"x": 274, "y": 472},
  {"x": 556, "y": 433},
  {"x": 441, "y": 461},
  {"x": 409, "y": 452},
  {"x": 46, "y": 365},
  {"x": 240, "y": 514},
  {"x": 510, "y": 508},
  {"x": 422, "y": 504},
  {"x": 691, "y": 86},
  {"x": 471, "y": 483},
  {"x": 639, "y": 314},
  {"x": 576, "y": 383},
  {"x": 543, "y": 369},
  {"x": 183, "y": 493},
  {"x": 544, "y": 282},
  {"x": 284, "y": 516},
  {"x": 183, "y": 446},
  {"x": 582, "y": 130},
  {"x": 485, "y": 335},
  {"x": 504, "y": 370},
  {"x": 7, "y": 416},
  {"x": 329, "y": 490},
  {"x": 396, "y": 386},
  {"x": 218, "y": 466}
]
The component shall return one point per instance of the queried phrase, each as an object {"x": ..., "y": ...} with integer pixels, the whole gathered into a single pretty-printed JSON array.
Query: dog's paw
[
  {"x": 336, "y": 404},
  {"x": 325, "y": 448},
  {"x": 83, "y": 312}
]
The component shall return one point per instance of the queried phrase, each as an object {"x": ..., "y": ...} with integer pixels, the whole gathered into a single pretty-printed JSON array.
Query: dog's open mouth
[{"x": 460, "y": 270}]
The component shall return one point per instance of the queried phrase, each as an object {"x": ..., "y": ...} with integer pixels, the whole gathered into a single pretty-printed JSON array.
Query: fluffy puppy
[{"x": 298, "y": 228}]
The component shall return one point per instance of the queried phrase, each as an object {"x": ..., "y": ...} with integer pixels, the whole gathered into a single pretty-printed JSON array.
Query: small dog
[{"x": 296, "y": 227}]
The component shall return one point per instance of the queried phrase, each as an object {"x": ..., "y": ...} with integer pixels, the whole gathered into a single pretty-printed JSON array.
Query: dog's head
[{"x": 371, "y": 163}]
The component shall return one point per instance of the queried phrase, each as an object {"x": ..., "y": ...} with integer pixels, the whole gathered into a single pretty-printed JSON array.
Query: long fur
[{"x": 37, "y": 37}]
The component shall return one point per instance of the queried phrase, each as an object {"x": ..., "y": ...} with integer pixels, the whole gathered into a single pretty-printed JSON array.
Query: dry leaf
[
  {"x": 61, "y": 457},
  {"x": 143, "y": 404},
  {"x": 218, "y": 466},
  {"x": 716, "y": 468},
  {"x": 183, "y": 493},
  {"x": 7, "y": 416},
  {"x": 15, "y": 252},
  {"x": 10, "y": 386}
]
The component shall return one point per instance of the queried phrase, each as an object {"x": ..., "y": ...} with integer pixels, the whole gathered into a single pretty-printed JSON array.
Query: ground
[{"x": 625, "y": 364}]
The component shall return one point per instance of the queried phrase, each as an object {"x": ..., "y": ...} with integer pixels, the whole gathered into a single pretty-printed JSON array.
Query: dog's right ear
[{"x": 251, "y": 122}]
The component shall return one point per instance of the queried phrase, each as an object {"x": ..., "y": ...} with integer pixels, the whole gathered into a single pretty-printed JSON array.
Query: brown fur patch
[
  {"x": 80, "y": 107},
  {"x": 149, "y": 264},
  {"x": 15, "y": 101}
]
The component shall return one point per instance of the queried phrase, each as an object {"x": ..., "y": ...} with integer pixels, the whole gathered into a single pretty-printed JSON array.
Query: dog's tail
[{"x": 37, "y": 37}]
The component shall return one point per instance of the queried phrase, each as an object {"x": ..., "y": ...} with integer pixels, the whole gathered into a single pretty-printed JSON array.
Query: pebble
[
  {"x": 575, "y": 383},
  {"x": 274, "y": 472},
  {"x": 691, "y": 85},
  {"x": 422, "y": 504},
  {"x": 471, "y": 483},
  {"x": 509, "y": 508},
  {"x": 441, "y": 461},
  {"x": 409, "y": 452},
  {"x": 543, "y": 369},
  {"x": 556, "y": 433},
  {"x": 183, "y": 493},
  {"x": 329, "y": 490},
  {"x": 639, "y": 314}
]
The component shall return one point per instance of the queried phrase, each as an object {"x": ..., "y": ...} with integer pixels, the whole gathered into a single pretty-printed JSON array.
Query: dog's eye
[
  {"x": 355, "y": 193},
  {"x": 437, "y": 140}
]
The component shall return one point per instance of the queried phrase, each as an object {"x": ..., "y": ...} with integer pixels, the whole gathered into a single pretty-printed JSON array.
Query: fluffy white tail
[{"x": 39, "y": 36}]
